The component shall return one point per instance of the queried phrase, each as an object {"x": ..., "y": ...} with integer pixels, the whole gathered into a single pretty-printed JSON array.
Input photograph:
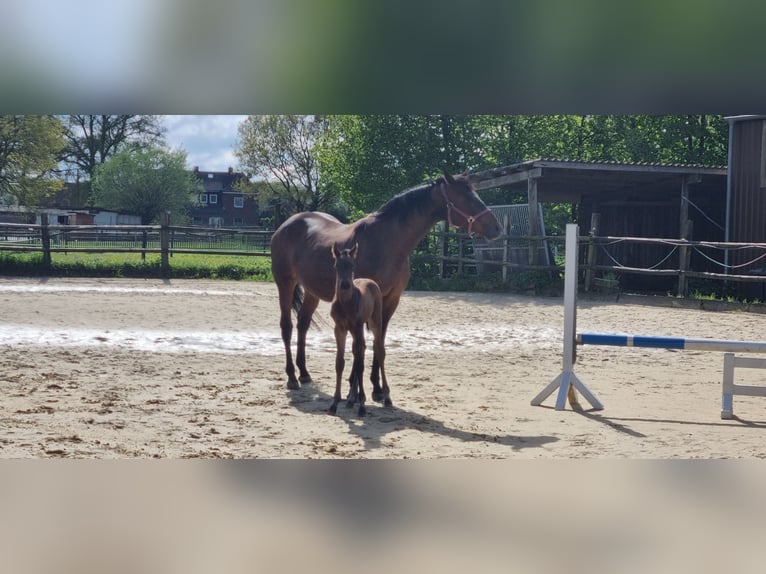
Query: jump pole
[{"x": 568, "y": 380}]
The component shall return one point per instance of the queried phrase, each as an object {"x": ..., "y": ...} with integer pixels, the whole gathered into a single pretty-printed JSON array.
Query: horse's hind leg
[
  {"x": 286, "y": 294},
  {"x": 310, "y": 303}
]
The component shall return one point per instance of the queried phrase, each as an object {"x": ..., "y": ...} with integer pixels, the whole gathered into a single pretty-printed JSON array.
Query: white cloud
[{"x": 208, "y": 140}]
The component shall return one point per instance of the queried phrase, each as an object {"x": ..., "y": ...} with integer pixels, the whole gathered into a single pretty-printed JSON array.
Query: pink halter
[{"x": 468, "y": 218}]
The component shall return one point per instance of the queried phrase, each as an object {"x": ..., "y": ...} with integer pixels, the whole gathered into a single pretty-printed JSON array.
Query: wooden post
[
  {"x": 534, "y": 223},
  {"x": 144, "y": 241},
  {"x": 684, "y": 232},
  {"x": 444, "y": 250},
  {"x": 506, "y": 246},
  {"x": 460, "y": 245},
  {"x": 595, "y": 219},
  {"x": 164, "y": 244},
  {"x": 45, "y": 236},
  {"x": 684, "y": 259}
]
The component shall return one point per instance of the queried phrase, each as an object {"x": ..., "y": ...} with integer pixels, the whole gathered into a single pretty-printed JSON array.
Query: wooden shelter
[{"x": 625, "y": 199}]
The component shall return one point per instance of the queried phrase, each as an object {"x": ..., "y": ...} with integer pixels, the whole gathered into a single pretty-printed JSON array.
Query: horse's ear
[
  {"x": 354, "y": 250},
  {"x": 448, "y": 177}
]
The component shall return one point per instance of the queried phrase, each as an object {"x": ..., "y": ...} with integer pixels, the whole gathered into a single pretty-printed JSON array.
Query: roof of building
[{"x": 570, "y": 180}]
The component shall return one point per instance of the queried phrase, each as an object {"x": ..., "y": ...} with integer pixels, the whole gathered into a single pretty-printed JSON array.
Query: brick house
[{"x": 221, "y": 204}]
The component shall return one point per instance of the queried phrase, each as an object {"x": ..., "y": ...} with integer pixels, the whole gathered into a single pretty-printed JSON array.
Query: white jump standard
[{"x": 567, "y": 381}]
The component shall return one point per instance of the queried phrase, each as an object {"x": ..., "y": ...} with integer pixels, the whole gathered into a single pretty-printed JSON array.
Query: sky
[{"x": 209, "y": 140}]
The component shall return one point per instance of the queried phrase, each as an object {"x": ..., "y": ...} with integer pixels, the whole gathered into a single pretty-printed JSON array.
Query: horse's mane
[{"x": 413, "y": 201}]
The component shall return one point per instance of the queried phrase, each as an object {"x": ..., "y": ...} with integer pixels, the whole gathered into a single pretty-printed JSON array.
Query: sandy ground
[{"x": 146, "y": 368}]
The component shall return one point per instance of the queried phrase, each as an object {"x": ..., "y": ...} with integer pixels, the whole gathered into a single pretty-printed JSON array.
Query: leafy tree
[
  {"x": 367, "y": 159},
  {"x": 280, "y": 149},
  {"x": 146, "y": 181},
  {"x": 29, "y": 147},
  {"x": 91, "y": 139}
]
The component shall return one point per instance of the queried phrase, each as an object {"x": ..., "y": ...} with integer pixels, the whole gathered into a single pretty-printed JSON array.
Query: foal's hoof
[
  {"x": 388, "y": 403},
  {"x": 377, "y": 396},
  {"x": 305, "y": 379},
  {"x": 362, "y": 410},
  {"x": 333, "y": 409}
]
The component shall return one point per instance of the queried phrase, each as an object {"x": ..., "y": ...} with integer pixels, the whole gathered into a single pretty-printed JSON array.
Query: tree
[
  {"x": 146, "y": 182},
  {"x": 29, "y": 148},
  {"x": 91, "y": 140},
  {"x": 280, "y": 149}
]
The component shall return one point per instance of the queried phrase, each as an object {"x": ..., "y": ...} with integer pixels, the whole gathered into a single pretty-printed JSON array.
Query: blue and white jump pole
[{"x": 568, "y": 381}]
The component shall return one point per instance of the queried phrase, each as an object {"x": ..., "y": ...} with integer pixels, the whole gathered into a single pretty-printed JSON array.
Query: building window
[
  {"x": 196, "y": 221},
  {"x": 203, "y": 198},
  {"x": 212, "y": 198},
  {"x": 215, "y": 221},
  {"x": 239, "y": 202},
  {"x": 238, "y": 221}
]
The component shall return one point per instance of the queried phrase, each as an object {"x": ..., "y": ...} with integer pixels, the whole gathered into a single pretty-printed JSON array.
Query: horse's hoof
[
  {"x": 305, "y": 379},
  {"x": 388, "y": 403},
  {"x": 377, "y": 396},
  {"x": 362, "y": 410},
  {"x": 292, "y": 384},
  {"x": 333, "y": 409}
]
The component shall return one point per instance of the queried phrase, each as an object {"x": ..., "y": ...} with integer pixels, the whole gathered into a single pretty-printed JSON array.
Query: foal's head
[{"x": 345, "y": 261}]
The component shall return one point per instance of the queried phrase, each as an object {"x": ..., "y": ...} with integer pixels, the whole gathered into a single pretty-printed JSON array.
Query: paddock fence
[{"x": 604, "y": 261}]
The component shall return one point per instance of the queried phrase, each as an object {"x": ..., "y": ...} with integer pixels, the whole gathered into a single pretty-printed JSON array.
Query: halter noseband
[{"x": 452, "y": 207}]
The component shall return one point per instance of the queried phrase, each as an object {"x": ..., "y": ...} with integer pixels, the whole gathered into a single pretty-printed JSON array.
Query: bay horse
[
  {"x": 302, "y": 264},
  {"x": 357, "y": 302}
]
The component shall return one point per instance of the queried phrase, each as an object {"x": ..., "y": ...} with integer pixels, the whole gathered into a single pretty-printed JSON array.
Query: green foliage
[
  {"x": 29, "y": 148},
  {"x": 187, "y": 266},
  {"x": 280, "y": 150},
  {"x": 147, "y": 182},
  {"x": 368, "y": 159},
  {"x": 92, "y": 139}
]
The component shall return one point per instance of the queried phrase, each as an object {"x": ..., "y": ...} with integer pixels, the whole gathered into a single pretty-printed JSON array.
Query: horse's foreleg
[
  {"x": 353, "y": 384},
  {"x": 359, "y": 348},
  {"x": 310, "y": 304},
  {"x": 340, "y": 344},
  {"x": 379, "y": 348},
  {"x": 389, "y": 306}
]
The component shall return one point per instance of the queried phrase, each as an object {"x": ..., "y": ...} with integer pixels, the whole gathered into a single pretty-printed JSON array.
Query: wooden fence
[{"x": 442, "y": 252}]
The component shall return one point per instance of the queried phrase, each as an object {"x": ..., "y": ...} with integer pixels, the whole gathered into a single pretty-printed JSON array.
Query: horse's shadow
[{"x": 381, "y": 420}]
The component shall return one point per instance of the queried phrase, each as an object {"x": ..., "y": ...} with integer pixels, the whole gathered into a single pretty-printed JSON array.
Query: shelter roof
[{"x": 563, "y": 180}]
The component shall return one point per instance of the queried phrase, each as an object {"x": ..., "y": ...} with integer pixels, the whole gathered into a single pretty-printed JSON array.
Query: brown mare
[
  {"x": 301, "y": 254},
  {"x": 357, "y": 302}
]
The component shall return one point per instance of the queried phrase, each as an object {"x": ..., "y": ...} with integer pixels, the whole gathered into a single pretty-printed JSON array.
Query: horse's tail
[
  {"x": 297, "y": 298},
  {"x": 298, "y": 303}
]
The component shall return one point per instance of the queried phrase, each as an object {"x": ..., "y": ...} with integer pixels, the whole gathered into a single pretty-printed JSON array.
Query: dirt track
[{"x": 131, "y": 368}]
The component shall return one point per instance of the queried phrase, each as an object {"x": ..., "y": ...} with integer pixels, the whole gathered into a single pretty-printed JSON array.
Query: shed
[
  {"x": 632, "y": 200},
  {"x": 746, "y": 197}
]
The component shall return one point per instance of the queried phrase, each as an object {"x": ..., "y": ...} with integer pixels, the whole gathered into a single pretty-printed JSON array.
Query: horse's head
[
  {"x": 345, "y": 262},
  {"x": 464, "y": 207}
]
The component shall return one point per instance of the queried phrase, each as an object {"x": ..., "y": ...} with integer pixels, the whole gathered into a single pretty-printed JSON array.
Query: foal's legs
[
  {"x": 310, "y": 303},
  {"x": 340, "y": 348}
]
